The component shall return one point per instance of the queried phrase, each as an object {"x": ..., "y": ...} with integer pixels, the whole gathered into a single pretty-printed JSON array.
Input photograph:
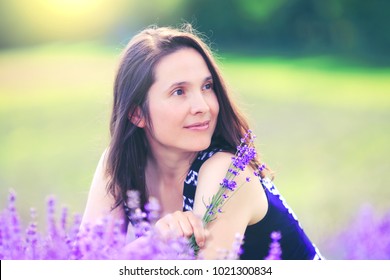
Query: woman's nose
[{"x": 198, "y": 103}]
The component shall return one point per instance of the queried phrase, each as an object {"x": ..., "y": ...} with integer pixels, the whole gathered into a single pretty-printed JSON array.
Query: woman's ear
[{"x": 137, "y": 118}]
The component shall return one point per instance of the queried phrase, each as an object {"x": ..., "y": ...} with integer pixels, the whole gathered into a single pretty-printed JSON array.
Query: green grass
[
  {"x": 322, "y": 125},
  {"x": 54, "y": 106}
]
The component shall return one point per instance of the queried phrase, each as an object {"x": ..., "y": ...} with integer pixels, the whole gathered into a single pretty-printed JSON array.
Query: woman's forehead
[{"x": 183, "y": 65}]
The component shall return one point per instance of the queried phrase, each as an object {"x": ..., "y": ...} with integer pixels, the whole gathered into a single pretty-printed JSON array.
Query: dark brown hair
[{"x": 128, "y": 147}]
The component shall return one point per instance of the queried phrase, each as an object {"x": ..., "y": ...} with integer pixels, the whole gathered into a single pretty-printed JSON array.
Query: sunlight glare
[{"x": 58, "y": 19}]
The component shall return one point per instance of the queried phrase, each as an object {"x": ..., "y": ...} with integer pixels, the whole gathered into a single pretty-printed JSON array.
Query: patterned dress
[{"x": 295, "y": 244}]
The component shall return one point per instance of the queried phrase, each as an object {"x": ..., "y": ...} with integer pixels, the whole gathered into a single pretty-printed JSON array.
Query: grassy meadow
[{"x": 322, "y": 123}]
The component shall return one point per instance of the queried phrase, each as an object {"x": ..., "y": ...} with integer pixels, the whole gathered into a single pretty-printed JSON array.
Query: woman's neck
[
  {"x": 165, "y": 175},
  {"x": 169, "y": 167}
]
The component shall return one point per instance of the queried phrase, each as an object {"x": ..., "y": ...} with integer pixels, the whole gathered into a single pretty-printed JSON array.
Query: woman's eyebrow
[
  {"x": 208, "y": 78},
  {"x": 176, "y": 84}
]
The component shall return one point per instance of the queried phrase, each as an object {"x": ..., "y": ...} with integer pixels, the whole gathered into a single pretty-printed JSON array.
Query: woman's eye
[
  {"x": 208, "y": 86},
  {"x": 178, "y": 92}
]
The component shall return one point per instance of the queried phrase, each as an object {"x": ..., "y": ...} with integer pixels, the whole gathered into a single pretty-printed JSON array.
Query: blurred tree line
[{"x": 352, "y": 28}]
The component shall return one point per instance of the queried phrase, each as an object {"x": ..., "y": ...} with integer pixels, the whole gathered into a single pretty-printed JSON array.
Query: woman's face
[{"x": 183, "y": 106}]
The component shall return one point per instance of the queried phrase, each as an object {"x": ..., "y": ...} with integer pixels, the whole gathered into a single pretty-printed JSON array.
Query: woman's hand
[{"x": 182, "y": 224}]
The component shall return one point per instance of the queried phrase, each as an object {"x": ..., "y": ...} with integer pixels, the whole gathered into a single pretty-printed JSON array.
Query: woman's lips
[{"x": 198, "y": 126}]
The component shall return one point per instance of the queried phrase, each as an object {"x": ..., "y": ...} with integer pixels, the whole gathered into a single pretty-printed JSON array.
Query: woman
[{"x": 173, "y": 132}]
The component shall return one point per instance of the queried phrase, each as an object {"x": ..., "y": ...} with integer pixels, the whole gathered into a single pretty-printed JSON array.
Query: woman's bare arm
[
  {"x": 246, "y": 206},
  {"x": 99, "y": 202}
]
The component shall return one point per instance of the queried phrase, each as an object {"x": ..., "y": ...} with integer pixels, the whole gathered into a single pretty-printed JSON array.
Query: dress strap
[{"x": 191, "y": 180}]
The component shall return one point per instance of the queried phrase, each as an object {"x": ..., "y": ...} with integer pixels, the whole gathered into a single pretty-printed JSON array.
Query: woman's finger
[
  {"x": 165, "y": 225},
  {"x": 182, "y": 224},
  {"x": 191, "y": 224},
  {"x": 197, "y": 229},
  {"x": 185, "y": 227}
]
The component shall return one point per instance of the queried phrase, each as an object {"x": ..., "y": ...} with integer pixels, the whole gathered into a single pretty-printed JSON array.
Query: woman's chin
[{"x": 200, "y": 145}]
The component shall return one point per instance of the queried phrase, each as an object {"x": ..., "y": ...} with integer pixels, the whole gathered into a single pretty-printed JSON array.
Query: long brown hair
[{"x": 126, "y": 160}]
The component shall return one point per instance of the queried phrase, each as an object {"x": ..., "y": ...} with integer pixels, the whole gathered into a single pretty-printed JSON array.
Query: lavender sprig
[{"x": 244, "y": 155}]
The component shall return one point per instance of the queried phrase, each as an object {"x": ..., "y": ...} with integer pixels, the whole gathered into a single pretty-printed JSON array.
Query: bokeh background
[{"x": 313, "y": 77}]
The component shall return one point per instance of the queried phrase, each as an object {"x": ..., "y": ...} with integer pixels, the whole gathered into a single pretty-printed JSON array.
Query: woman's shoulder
[
  {"x": 219, "y": 156},
  {"x": 216, "y": 164},
  {"x": 207, "y": 157},
  {"x": 249, "y": 201},
  {"x": 215, "y": 169}
]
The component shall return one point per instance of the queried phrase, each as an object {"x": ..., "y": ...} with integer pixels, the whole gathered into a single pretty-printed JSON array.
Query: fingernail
[{"x": 200, "y": 244}]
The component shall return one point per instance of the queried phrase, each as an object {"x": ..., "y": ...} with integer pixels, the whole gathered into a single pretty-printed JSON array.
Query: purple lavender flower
[
  {"x": 229, "y": 184},
  {"x": 153, "y": 210},
  {"x": 133, "y": 199},
  {"x": 13, "y": 242},
  {"x": 366, "y": 237},
  {"x": 245, "y": 154},
  {"x": 32, "y": 237},
  {"x": 275, "y": 250}
]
